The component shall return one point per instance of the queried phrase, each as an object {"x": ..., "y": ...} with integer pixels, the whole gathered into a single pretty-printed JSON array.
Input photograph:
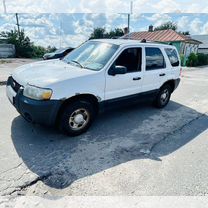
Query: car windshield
[{"x": 92, "y": 55}]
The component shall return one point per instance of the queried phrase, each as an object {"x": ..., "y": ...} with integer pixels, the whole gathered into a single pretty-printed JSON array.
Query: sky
[{"x": 70, "y": 22}]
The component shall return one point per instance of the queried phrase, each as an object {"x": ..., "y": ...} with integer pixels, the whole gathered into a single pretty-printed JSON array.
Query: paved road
[{"x": 138, "y": 150}]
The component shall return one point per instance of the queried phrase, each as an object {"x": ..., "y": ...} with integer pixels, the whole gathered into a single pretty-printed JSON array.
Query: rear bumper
[
  {"x": 177, "y": 81},
  {"x": 35, "y": 111}
]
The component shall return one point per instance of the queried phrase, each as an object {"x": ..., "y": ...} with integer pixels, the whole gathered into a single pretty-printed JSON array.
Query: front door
[{"x": 130, "y": 83}]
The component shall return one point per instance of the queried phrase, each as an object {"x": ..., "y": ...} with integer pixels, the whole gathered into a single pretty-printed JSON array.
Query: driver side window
[{"x": 131, "y": 58}]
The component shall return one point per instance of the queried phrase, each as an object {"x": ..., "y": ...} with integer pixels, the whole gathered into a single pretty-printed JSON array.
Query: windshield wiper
[{"x": 77, "y": 63}]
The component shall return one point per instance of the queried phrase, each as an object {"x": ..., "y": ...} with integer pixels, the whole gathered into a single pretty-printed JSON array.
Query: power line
[{"x": 60, "y": 32}]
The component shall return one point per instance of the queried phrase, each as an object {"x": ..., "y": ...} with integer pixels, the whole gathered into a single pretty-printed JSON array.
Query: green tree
[
  {"x": 24, "y": 47},
  {"x": 22, "y": 42},
  {"x": 50, "y": 49},
  {"x": 99, "y": 33},
  {"x": 171, "y": 26},
  {"x": 167, "y": 26},
  {"x": 38, "y": 51},
  {"x": 184, "y": 33},
  {"x": 117, "y": 32}
]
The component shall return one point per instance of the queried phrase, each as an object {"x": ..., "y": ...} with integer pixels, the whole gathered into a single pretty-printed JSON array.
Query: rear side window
[
  {"x": 154, "y": 59},
  {"x": 173, "y": 57}
]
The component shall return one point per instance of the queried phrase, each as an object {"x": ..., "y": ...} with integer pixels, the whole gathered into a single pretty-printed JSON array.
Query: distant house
[
  {"x": 203, "y": 48},
  {"x": 184, "y": 44}
]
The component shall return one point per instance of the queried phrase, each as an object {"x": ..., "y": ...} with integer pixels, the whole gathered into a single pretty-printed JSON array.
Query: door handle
[
  {"x": 136, "y": 78},
  {"x": 161, "y": 75}
]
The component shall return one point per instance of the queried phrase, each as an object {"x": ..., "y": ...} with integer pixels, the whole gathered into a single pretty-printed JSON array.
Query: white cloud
[
  {"x": 183, "y": 22},
  {"x": 158, "y": 19},
  {"x": 166, "y": 6},
  {"x": 105, "y": 6},
  {"x": 83, "y": 26},
  {"x": 196, "y": 7},
  {"x": 205, "y": 28},
  {"x": 196, "y": 25}
]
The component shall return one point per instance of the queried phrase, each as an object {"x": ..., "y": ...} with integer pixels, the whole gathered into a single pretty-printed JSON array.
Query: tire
[
  {"x": 163, "y": 96},
  {"x": 76, "y": 118}
]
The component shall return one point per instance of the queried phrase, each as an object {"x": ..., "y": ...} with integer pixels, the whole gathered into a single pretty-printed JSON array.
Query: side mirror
[{"x": 117, "y": 70}]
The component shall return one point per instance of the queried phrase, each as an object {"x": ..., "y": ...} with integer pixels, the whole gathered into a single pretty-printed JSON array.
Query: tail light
[{"x": 180, "y": 71}]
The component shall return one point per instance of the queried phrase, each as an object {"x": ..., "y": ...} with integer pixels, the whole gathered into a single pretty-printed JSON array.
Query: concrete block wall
[{"x": 7, "y": 51}]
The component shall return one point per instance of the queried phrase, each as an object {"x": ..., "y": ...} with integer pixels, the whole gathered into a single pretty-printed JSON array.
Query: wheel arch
[
  {"x": 84, "y": 97},
  {"x": 171, "y": 83}
]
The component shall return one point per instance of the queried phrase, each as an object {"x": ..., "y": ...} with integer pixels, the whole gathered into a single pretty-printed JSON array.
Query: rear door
[
  {"x": 155, "y": 69},
  {"x": 122, "y": 85}
]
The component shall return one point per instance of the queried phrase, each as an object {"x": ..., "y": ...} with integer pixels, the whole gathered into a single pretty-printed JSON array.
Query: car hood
[{"x": 44, "y": 73}]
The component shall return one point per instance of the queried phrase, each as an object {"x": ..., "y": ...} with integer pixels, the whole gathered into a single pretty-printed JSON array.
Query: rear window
[
  {"x": 173, "y": 57},
  {"x": 154, "y": 59}
]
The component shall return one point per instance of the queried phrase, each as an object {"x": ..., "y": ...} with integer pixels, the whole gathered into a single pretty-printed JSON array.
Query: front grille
[{"x": 15, "y": 85}]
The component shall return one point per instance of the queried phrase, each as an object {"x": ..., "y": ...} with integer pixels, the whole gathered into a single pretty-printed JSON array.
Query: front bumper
[{"x": 35, "y": 111}]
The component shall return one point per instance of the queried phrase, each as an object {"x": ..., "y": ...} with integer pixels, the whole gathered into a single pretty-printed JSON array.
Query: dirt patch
[{"x": 5, "y": 61}]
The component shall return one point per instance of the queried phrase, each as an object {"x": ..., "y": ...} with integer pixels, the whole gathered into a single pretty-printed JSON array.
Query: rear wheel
[
  {"x": 163, "y": 96},
  {"x": 76, "y": 118}
]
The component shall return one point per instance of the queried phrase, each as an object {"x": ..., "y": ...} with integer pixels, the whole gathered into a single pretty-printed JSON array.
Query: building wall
[
  {"x": 7, "y": 50},
  {"x": 178, "y": 46},
  {"x": 203, "y": 50},
  {"x": 184, "y": 48}
]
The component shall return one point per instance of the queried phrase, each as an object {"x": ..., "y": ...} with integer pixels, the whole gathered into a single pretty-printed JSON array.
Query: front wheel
[
  {"x": 76, "y": 118},
  {"x": 163, "y": 96}
]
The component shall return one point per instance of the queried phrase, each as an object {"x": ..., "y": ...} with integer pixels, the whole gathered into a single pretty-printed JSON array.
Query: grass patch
[{"x": 5, "y": 61}]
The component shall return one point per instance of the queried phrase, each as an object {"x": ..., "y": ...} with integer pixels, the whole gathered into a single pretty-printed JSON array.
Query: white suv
[{"x": 70, "y": 92}]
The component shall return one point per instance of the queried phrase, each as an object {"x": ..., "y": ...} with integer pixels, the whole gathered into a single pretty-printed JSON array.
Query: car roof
[{"x": 126, "y": 42}]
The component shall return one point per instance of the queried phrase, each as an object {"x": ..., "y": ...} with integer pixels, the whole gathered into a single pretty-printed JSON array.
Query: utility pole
[
  {"x": 60, "y": 33},
  {"x": 129, "y": 14},
  {"x": 18, "y": 26},
  {"x": 128, "y": 22},
  {"x": 4, "y": 5}
]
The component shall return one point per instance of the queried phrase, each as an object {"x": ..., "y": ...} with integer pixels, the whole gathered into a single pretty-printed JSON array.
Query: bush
[
  {"x": 202, "y": 59},
  {"x": 192, "y": 60},
  {"x": 199, "y": 59},
  {"x": 38, "y": 51},
  {"x": 182, "y": 57}
]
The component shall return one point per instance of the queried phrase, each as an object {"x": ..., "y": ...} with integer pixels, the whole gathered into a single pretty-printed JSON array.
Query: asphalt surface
[
  {"x": 8, "y": 65},
  {"x": 136, "y": 150}
]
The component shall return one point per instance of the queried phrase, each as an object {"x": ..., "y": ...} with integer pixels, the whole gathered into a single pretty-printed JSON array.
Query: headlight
[{"x": 37, "y": 93}]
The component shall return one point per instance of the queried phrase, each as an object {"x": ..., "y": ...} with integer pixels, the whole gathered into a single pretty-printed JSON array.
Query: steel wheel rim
[
  {"x": 164, "y": 96},
  {"x": 79, "y": 119}
]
